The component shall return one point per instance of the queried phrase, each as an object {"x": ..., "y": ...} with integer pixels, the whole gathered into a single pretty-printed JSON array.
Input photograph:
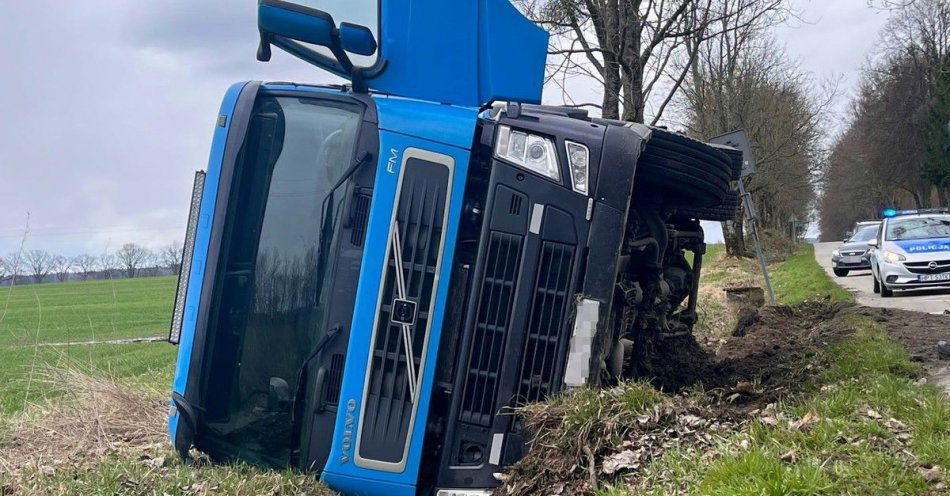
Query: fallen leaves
[{"x": 804, "y": 423}]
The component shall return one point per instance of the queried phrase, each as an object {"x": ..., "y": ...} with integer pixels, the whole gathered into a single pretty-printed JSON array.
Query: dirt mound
[
  {"x": 594, "y": 435},
  {"x": 768, "y": 355},
  {"x": 589, "y": 436},
  {"x": 917, "y": 332}
]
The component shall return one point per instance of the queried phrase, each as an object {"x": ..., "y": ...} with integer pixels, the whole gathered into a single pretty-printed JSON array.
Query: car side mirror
[{"x": 872, "y": 243}]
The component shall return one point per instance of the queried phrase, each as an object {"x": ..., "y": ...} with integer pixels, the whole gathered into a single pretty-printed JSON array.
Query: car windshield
[
  {"x": 864, "y": 235},
  {"x": 924, "y": 227}
]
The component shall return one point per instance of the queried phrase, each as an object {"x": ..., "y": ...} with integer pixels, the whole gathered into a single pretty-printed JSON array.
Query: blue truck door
[{"x": 230, "y": 130}]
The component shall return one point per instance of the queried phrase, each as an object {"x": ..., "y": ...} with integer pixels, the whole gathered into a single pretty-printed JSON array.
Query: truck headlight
[
  {"x": 578, "y": 156},
  {"x": 529, "y": 151},
  {"x": 892, "y": 257}
]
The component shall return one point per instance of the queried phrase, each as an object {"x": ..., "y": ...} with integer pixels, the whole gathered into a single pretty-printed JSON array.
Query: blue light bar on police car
[
  {"x": 178, "y": 317},
  {"x": 890, "y": 212}
]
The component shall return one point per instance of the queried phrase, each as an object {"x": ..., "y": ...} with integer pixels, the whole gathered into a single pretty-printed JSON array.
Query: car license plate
[
  {"x": 934, "y": 277},
  {"x": 851, "y": 260}
]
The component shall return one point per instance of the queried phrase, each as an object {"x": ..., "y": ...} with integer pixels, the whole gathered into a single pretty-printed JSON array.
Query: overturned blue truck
[{"x": 376, "y": 273}]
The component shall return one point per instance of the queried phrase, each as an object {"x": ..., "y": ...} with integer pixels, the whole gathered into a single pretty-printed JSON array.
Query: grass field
[{"x": 37, "y": 323}]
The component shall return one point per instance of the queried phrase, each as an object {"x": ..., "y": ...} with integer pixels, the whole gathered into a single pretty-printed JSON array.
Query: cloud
[{"x": 109, "y": 108}]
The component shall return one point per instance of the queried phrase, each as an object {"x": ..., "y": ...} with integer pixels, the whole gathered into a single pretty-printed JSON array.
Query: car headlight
[
  {"x": 893, "y": 257},
  {"x": 529, "y": 151},
  {"x": 836, "y": 253}
]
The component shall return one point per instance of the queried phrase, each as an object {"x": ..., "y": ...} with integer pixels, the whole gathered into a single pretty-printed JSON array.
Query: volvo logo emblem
[
  {"x": 348, "y": 423},
  {"x": 404, "y": 312},
  {"x": 932, "y": 265}
]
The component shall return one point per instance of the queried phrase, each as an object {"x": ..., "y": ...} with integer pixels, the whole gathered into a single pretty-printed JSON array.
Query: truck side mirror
[
  {"x": 357, "y": 39},
  {"x": 295, "y": 22}
]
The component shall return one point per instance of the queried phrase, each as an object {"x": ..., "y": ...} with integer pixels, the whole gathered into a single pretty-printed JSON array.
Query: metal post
[{"x": 750, "y": 220}]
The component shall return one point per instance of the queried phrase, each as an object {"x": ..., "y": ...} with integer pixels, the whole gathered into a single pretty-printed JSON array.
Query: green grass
[
  {"x": 117, "y": 475},
  {"x": 33, "y": 315},
  {"x": 800, "y": 278},
  {"x": 846, "y": 451},
  {"x": 91, "y": 310}
]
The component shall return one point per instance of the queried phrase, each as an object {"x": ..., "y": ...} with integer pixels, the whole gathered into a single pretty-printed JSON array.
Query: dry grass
[
  {"x": 100, "y": 437},
  {"x": 96, "y": 418},
  {"x": 717, "y": 316}
]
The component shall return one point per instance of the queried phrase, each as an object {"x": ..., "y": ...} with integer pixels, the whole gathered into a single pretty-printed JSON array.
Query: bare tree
[
  {"x": 133, "y": 258},
  {"x": 743, "y": 80},
  {"x": 60, "y": 266},
  {"x": 170, "y": 256},
  {"x": 86, "y": 264},
  {"x": 4, "y": 268},
  {"x": 39, "y": 263},
  {"x": 638, "y": 50},
  {"x": 14, "y": 265},
  {"x": 108, "y": 263}
]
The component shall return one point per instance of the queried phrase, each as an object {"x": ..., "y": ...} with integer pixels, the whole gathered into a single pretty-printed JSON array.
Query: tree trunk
[
  {"x": 943, "y": 193},
  {"x": 734, "y": 236},
  {"x": 612, "y": 84}
]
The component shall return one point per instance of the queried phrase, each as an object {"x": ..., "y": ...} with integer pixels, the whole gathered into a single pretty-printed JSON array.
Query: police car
[{"x": 912, "y": 251}]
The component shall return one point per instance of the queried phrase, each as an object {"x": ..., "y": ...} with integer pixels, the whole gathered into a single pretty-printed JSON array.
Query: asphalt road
[{"x": 861, "y": 284}]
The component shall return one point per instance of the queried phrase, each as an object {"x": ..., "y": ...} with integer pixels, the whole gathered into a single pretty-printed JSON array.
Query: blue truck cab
[{"x": 376, "y": 273}]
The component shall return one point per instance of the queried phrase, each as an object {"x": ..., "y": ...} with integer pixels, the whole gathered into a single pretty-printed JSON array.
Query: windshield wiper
[{"x": 363, "y": 158}]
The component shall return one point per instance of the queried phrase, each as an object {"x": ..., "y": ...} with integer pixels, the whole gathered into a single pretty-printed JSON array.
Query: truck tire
[
  {"x": 736, "y": 157},
  {"x": 697, "y": 174},
  {"x": 724, "y": 212}
]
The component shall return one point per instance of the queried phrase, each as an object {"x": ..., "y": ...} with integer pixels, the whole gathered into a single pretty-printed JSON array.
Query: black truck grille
[
  {"x": 359, "y": 216},
  {"x": 491, "y": 328},
  {"x": 419, "y": 224},
  {"x": 545, "y": 329},
  {"x": 334, "y": 381}
]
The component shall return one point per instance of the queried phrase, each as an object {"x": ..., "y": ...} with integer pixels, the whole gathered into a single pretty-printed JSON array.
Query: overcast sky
[{"x": 108, "y": 106}]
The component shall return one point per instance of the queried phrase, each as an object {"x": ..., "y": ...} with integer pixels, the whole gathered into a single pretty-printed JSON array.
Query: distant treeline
[{"x": 131, "y": 260}]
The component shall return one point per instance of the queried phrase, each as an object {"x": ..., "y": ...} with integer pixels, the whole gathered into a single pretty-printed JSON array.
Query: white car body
[{"x": 911, "y": 263}]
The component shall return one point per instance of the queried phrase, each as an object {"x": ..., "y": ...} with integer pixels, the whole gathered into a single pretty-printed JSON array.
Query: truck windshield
[
  {"x": 270, "y": 308},
  {"x": 936, "y": 226}
]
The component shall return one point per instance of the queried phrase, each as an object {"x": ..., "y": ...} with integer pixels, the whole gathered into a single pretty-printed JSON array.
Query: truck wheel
[
  {"x": 885, "y": 292},
  {"x": 877, "y": 286},
  {"x": 724, "y": 212},
  {"x": 699, "y": 175},
  {"x": 841, "y": 272},
  {"x": 736, "y": 157}
]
